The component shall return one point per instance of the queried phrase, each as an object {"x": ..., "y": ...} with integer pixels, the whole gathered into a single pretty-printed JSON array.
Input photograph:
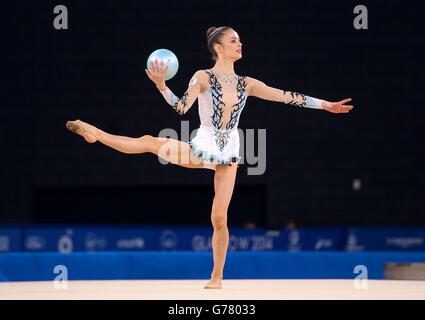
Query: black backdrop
[{"x": 94, "y": 71}]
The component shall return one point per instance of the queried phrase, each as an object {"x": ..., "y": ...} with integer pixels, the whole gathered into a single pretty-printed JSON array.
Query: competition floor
[{"x": 232, "y": 290}]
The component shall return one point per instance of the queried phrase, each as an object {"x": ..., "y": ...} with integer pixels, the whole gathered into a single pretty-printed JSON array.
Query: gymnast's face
[{"x": 230, "y": 47}]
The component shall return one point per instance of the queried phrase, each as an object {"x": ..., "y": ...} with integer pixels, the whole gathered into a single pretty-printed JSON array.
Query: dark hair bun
[{"x": 210, "y": 31}]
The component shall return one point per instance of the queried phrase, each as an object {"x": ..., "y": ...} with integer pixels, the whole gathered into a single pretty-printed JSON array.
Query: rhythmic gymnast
[{"x": 221, "y": 97}]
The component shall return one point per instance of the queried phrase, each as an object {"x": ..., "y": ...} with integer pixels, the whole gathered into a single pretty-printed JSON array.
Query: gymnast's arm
[
  {"x": 260, "y": 90},
  {"x": 183, "y": 104}
]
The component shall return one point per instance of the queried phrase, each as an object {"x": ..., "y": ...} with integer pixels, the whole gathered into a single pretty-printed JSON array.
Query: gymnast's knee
[
  {"x": 219, "y": 219},
  {"x": 146, "y": 141}
]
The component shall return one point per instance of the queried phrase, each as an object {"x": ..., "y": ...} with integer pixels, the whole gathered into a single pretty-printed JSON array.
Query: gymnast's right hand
[{"x": 157, "y": 74}]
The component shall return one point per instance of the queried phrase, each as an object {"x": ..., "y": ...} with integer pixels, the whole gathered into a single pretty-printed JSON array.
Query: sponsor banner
[
  {"x": 75, "y": 238},
  {"x": 254, "y": 239},
  {"x": 200, "y": 239},
  {"x": 185, "y": 238},
  {"x": 310, "y": 239},
  {"x": 193, "y": 238},
  {"x": 385, "y": 239}
]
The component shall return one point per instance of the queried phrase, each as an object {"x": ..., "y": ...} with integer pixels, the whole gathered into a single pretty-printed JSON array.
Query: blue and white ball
[{"x": 168, "y": 58}]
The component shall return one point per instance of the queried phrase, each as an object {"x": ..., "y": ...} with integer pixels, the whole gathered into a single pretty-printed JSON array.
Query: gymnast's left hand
[
  {"x": 337, "y": 107},
  {"x": 157, "y": 73}
]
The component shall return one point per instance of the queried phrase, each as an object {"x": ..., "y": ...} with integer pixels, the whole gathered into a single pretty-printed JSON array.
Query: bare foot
[
  {"x": 214, "y": 283},
  {"x": 83, "y": 129}
]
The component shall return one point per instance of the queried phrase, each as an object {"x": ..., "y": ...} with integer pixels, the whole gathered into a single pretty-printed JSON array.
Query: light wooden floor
[{"x": 232, "y": 289}]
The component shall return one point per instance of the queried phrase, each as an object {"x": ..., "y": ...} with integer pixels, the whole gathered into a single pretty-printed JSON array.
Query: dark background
[{"x": 95, "y": 71}]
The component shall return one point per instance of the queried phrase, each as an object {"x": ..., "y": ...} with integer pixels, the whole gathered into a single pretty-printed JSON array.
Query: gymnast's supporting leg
[
  {"x": 174, "y": 151},
  {"x": 224, "y": 181}
]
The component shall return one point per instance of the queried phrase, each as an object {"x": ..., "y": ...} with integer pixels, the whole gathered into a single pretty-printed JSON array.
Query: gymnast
[{"x": 221, "y": 95}]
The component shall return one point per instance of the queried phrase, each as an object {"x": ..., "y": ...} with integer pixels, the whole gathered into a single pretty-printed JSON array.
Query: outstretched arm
[
  {"x": 180, "y": 105},
  {"x": 260, "y": 90}
]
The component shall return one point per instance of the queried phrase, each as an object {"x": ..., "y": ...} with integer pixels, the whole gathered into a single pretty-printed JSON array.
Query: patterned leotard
[{"x": 217, "y": 139}]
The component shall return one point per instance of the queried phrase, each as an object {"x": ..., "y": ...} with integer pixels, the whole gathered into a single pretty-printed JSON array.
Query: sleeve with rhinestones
[
  {"x": 183, "y": 104},
  {"x": 261, "y": 90}
]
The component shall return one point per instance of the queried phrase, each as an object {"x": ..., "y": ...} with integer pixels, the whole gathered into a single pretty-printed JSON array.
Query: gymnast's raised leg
[{"x": 174, "y": 151}]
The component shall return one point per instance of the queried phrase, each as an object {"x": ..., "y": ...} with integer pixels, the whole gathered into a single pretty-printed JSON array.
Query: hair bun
[{"x": 210, "y": 31}]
